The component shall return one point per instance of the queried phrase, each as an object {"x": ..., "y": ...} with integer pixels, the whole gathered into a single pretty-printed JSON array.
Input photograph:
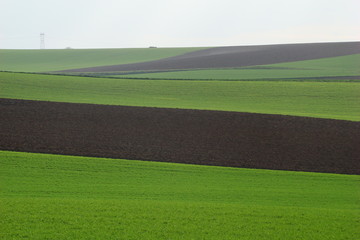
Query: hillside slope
[
  {"x": 239, "y": 56},
  {"x": 61, "y": 59}
]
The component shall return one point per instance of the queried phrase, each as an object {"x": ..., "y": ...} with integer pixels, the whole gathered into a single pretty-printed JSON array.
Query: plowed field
[{"x": 183, "y": 136}]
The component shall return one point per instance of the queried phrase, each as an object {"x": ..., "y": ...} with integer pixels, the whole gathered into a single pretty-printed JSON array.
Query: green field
[
  {"x": 55, "y": 60},
  {"x": 334, "y": 100},
  {"x": 64, "y": 197},
  {"x": 326, "y": 67}
]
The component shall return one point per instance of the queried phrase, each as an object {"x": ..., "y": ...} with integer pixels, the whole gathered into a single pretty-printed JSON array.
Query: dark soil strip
[
  {"x": 182, "y": 136},
  {"x": 299, "y": 79},
  {"x": 239, "y": 56}
]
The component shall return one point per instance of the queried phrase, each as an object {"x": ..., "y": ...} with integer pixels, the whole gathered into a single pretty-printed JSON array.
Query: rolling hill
[
  {"x": 239, "y": 56},
  {"x": 291, "y": 107}
]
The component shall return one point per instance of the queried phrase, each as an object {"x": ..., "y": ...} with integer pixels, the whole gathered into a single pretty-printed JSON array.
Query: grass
[
  {"x": 64, "y": 197},
  {"x": 314, "y": 99},
  {"x": 54, "y": 60},
  {"x": 328, "y": 67},
  {"x": 346, "y": 63}
]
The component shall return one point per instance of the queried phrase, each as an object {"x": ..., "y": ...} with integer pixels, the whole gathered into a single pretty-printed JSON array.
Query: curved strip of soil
[
  {"x": 183, "y": 136},
  {"x": 324, "y": 78},
  {"x": 240, "y": 56}
]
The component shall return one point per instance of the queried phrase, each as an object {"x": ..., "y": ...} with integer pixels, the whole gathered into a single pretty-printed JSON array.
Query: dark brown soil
[
  {"x": 240, "y": 56},
  {"x": 182, "y": 136}
]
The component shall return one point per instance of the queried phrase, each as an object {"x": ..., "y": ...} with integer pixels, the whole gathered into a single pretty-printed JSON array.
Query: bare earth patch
[{"x": 183, "y": 136}]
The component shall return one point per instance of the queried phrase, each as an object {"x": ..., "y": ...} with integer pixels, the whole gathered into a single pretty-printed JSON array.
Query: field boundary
[{"x": 303, "y": 79}]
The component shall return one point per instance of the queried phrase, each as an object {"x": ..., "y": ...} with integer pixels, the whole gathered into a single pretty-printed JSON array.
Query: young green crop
[
  {"x": 54, "y": 60},
  {"x": 265, "y": 73},
  {"x": 63, "y": 197},
  {"x": 314, "y": 99},
  {"x": 346, "y": 63}
]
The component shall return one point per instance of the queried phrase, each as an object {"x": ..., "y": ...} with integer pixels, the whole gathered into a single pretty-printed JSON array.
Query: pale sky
[{"x": 175, "y": 23}]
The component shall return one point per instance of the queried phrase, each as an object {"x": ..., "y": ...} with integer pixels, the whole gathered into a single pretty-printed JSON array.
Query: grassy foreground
[
  {"x": 64, "y": 197},
  {"x": 61, "y": 59},
  {"x": 334, "y": 100}
]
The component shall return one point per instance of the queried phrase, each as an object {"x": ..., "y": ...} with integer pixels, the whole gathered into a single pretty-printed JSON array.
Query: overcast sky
[{"x": 175, "y": 23}]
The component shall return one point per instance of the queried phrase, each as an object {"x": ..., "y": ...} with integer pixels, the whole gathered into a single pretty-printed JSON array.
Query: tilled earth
[{"x": 183, "y": 136}]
